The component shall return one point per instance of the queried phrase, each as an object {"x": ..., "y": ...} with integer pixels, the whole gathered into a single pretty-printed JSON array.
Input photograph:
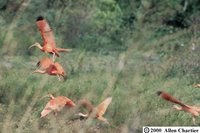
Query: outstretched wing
[
  {"x": 101, "y": 108},
  {"x": 50, "y": 106},
  {"x": 168, "y": 97},
  {"x": 46, "y": 32},
  {"x": 45, "y": 63}
]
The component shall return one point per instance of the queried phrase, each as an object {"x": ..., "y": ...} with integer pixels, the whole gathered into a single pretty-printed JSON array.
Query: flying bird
[
  {"x": 195, "y": 111},
  {"x": 49, "y": 44},
  {"x": 46, "y": 65},
  {"x": 95, "y": 112},
  {"x": 56, "y": 104}
]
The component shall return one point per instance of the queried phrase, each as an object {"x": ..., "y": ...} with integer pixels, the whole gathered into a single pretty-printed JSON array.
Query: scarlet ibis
[
  {"x": 49, "y": 44},
  {"x": 46, "y": 65},
  {"x": 56, "y": 104},
  {"x": 96, "y": 112},
  {"x": 183, "y": 107}
]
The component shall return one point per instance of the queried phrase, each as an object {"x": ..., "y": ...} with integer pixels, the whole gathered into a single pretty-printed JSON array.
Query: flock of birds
[
  {"x": 56, "y": 104},
  {"x": 50, "y": 67}
]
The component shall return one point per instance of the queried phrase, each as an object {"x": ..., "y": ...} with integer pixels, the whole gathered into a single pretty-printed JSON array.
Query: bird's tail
[
  {"x": 86, "y": 104},
  {"x": 168, "y": 97}
]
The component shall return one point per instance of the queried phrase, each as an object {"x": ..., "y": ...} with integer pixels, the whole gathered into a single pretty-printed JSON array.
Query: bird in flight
[
  {"x": 56, "y": 104},
  {"x": 194, "y": 110},
  {"x": 95, "y": 112},
  {"x": 49, "y": 44},
  {"x": 46, "y": 65}
]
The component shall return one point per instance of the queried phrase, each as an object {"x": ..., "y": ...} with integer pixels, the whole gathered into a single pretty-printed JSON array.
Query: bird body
[
  {"x": 46, "y": 65},
  {"x": 57, "y": 104},
  {"x": 96, "y": 112},
  {"x": 195, "y": 111},
  {"x": 168, "y": 97},
  {"x": 49, "y": 44}
]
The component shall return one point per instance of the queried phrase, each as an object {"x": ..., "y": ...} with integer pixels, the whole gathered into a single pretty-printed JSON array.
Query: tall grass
[{"x": 153, "y": 58}]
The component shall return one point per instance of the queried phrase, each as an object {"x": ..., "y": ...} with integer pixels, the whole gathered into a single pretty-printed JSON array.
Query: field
[{"x": 148, "y": 58}]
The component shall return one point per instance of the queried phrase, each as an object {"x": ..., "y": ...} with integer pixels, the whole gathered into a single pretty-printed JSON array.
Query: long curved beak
[
  {"x": 32, "y": 46},
  {"x": 48, "y": 95}
]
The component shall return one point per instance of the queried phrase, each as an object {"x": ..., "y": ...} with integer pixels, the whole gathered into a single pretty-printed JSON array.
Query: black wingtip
[
  {"x": 38, "y": 64},
  {"x": 40, "y": 18},
  {"x": 159, "y": 93}
]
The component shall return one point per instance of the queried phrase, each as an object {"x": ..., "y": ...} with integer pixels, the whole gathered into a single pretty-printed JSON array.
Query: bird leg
[
  {"x": 193, "y": 119},
  {"x": 63, "y": 49},
  {"x": 39, "y": 71},
  {"x": 54, "y": 56},
  {"x": 59, "y": 77}
]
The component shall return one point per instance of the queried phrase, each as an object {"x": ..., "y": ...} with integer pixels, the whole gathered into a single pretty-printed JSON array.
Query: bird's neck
[
  {"x": 39, "y": 46},
  {"x": 83, "y": 115}
]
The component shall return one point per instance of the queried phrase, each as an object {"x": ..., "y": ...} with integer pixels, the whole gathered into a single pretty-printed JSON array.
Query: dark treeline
[{"x": 91, "y": 24}]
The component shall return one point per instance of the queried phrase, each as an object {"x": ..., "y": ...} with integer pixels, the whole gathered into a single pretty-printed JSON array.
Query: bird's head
[
  {"x": 40, "y": 18},
  {"x": 62, "y": 73},
  {"x": 159, "y": 93},
  {"x": 60, "y": 70}
]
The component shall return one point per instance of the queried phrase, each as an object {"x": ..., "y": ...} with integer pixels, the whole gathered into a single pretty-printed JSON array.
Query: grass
[
  {"x": 152, "y": 62},
  {"x": 131, "y": 78}
]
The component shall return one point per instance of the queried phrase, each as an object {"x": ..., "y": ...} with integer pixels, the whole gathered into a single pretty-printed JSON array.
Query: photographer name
[{"x": 181, "y": 130}]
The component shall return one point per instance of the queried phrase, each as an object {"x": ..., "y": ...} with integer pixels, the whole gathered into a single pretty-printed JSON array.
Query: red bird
[
  {"x": 96, "y": 112},
  {"x": 49, "y": 44},
  {"x": 195, "y": 111},
  {"x": 56, "y": 104},
  {"x": 46, "y": 65}
]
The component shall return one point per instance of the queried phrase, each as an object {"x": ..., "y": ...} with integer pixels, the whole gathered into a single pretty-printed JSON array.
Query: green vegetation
[{"x": 127, "y": 49}]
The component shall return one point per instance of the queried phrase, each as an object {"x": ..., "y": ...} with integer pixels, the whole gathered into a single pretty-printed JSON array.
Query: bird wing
[
  {"x": 168, "y": 97},
  {"x": 46, "y": 33},
  {"x": 45, "y": 63},
  {"x": 50, "y": 106},
  {"x": 101, "y": 108},
  {"x": 58, "y": 67}
]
